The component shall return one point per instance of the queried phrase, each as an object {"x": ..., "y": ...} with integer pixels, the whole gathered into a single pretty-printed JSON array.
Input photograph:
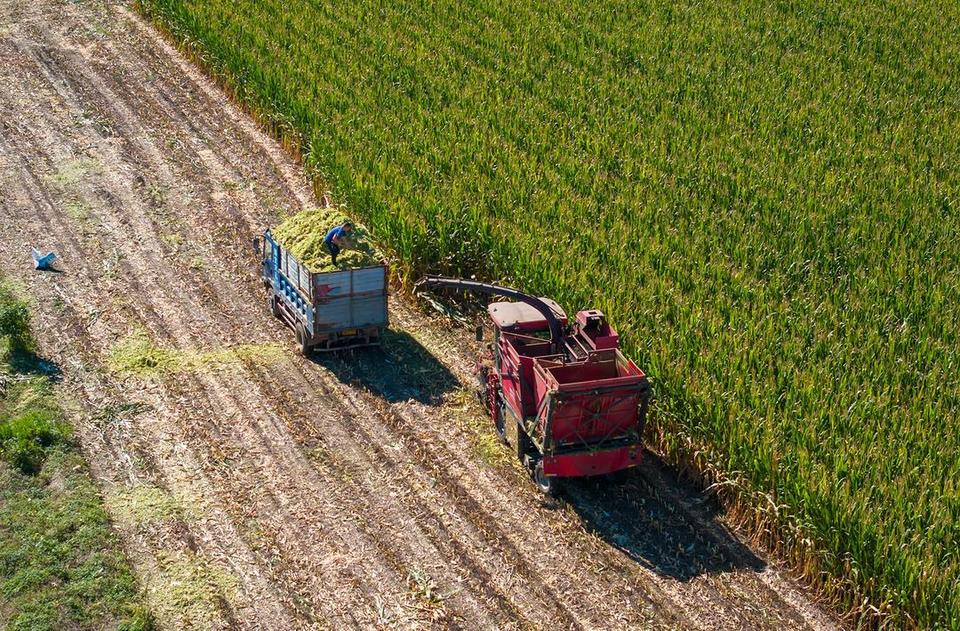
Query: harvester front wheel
[{"x": 548, "y": 484}]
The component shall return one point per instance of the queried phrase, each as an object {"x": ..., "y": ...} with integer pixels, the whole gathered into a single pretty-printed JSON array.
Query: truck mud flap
[{"x": 335, "y": 342}]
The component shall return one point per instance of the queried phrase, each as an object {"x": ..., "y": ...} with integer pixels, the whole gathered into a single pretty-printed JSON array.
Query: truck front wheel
[{"x": 303, "y": 341}]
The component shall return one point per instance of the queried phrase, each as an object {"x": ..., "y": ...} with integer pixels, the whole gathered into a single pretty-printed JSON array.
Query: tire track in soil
[
  {"x": 478, "y": 519},
  {"x": 161, "y": 540},
  {"x": 309, "y": 544},
  {"x": 399, "y": 547},
  {"x": 458, "y": 531},
  {"x": 664, "y": 533},
  {"x": 260, "y": 414},
  {"x": 264, "y": 438}
]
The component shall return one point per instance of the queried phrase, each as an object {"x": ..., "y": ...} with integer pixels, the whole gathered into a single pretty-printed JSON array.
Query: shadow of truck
[{"x": 400, "y": 369}]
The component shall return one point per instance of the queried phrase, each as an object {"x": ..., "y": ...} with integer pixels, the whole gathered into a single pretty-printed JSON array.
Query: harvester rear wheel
[{"x": 548, "y": 485}]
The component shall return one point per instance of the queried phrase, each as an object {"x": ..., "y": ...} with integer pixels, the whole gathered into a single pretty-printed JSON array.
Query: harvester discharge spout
[{"x": 556, "y": 327}]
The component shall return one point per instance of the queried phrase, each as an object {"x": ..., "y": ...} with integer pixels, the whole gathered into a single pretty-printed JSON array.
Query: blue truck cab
[{"x": 327, "y": 310}]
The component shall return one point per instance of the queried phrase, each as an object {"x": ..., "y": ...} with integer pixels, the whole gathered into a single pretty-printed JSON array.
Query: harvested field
[{"x": 254, "y": 488}]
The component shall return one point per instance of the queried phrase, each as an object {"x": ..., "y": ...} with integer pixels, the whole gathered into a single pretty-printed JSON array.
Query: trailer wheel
[
  {"x": 496, "y": 409},
  {"x": 303, "y": 342},
  {"x": 500, "y": 425},
  {"x": 548, "y": 485},
  {"x": 274, "y": 306},
  {"x": 493, "y": 400}
]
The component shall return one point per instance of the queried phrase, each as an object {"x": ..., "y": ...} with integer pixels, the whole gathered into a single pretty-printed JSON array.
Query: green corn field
[{"x": 763, "y": 197}]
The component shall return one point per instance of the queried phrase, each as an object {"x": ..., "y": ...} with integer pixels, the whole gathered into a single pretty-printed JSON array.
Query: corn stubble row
[{"x": 764, "y": 197}]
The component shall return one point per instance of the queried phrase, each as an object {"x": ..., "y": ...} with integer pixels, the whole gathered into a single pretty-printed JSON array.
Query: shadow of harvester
[
  {"x": 400, "y": 369},
  {"x": 651, "y": 516},
  {"x": 660, "y": 522}
]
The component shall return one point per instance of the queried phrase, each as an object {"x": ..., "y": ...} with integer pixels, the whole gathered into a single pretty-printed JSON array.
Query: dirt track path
[{"x": 265, "y": 490}]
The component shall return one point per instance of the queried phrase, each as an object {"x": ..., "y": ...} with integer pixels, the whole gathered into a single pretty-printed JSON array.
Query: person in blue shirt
[{"x": 336, "y": 238}]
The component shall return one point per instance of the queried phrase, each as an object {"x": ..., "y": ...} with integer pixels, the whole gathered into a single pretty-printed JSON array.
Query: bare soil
[{"x": 277, "y": 492}]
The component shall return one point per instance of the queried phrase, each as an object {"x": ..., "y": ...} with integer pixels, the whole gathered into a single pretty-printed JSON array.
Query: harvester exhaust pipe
[{"x": 556, "y": 327}]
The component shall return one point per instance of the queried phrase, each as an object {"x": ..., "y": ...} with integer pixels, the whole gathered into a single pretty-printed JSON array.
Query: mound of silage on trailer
[{"x": 303, "y": 234}]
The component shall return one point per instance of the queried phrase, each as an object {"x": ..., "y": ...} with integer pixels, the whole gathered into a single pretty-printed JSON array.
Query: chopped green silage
[
  {"x": 72, "y": 171},
  {"x": 143, "y": 504},
  {"x": 303, "y": 234},
  {"x": 186, "y": 588},
  {"x": 137, "y": 354}
]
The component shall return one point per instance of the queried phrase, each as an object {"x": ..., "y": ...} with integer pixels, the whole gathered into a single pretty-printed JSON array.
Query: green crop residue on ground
[
  {"x": 72, "y": 171},
  {"x": 77, "y": 210},
  {"x": 143, "y": 504},
  {"x": 61, "y": 565},
  {"x": 189, "y": 588},
  {"x": 763, "y": 196},
  {"x": 303, "y": 234},
  {"x": 137, "y": 354},
  {"x": 462, "y": 406},
  {"x": 484, "y": 439}
]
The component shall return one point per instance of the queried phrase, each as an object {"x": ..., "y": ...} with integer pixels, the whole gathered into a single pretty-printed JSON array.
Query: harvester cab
[{"x": 562, "y": 395}]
